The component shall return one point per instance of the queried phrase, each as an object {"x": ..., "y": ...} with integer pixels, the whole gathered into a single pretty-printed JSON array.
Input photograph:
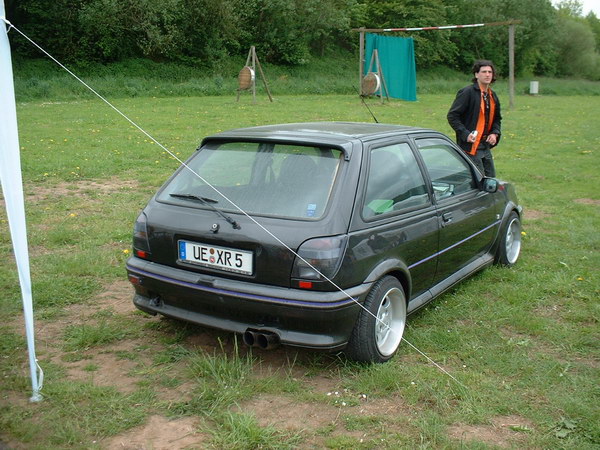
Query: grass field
[
  {"x": 522, "y": 342},
  {"x": 38, "y": 80}
]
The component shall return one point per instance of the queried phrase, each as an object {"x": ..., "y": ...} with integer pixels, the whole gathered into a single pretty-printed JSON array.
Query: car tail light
[
  {"x": 141, "y": 246},
  {"x": 135, "y": 280},
  {"x": 320, "y": 258}
]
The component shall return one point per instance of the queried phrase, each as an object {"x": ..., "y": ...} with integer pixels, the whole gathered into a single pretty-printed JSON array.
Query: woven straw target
[
  {"x": 370, "y": 83},
  {"x": 246, "y": 77}
]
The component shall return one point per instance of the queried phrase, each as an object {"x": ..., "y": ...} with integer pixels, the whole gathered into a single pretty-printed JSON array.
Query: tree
[
  {"x": 570, "y": 8},
  {"x": 532, "y": 35},
  {"x": 54, "y": 24},
  {"x": 431, "y": 48},
  {"x": 594, "y": 23},
  {"x": 157, "y": 29},
  {"x": 549, "y": 40},
  {"x": 576, "y": 41},
  {"x": 576, "y": 49}
]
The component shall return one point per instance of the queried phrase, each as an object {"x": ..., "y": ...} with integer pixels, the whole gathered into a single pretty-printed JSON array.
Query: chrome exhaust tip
[{"x": 265, "y": 340}]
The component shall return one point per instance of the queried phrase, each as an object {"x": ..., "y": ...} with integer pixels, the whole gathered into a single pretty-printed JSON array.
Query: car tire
[
  {"x": 380, "y": 324},
  {"x": 510, "y": 242}
]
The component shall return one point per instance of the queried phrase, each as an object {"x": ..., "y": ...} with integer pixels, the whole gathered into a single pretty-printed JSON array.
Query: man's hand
[{"x": 492, "y": 139}]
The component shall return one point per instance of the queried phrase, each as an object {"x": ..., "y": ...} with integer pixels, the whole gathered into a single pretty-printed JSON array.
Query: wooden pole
[
  {"x": 361, "y": 61},
  {"x": 383, "y": 85},
  {"x": 253, "y": 50},
  {"x": 253, "y": 59},
  {"x": 262, "y": 75},
  {"x": 246, "y": 65},
  {"x": 511, "y": 66}
]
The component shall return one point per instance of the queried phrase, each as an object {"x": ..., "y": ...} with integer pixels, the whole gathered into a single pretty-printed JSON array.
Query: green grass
[
  {"x": 243, "y": 431},
  {"x": 523, "y": 342},
  {"x": 38, "y": 80}
]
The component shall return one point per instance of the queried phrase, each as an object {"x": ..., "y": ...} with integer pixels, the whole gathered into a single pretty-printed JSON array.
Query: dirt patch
[
  {"x": 160, "y": 433},
  {"x": 171, "y": 396},
  {"x": 213, "y": 340},
  {"x": 288, "y": 414},
  {"x": 503, "y": 432},
  {"x": 115, "y": 298},
  {"x": 587, "y": 201},
  {"x": 82, "y": 188},
  {"x": 330, "y": 417},
  {"x": 554, "y": 311},
  {"x": 533, "y": 214},
  {"x": 105, "y": 367}
]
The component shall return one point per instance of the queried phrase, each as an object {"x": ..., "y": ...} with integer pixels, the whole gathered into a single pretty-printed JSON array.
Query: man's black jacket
[{"x": 464, "y": 112}]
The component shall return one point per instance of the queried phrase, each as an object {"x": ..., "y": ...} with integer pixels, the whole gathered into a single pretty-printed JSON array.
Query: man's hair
[{"x": 481, "y": 63}]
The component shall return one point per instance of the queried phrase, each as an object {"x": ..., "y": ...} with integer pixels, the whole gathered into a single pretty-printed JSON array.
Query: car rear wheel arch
[
  {"x": 403, "y": 278},
  {"x": 395, "y": 268}
]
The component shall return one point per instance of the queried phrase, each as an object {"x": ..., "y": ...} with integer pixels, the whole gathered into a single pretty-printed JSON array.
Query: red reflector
[
  {"x": 141, "y": 254},
  {"x": 305, "y": 284},
  {"x": 135, "y": 280}
]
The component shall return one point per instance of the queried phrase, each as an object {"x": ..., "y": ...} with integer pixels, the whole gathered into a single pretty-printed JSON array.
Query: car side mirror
[{"x": 490, "y": 185}]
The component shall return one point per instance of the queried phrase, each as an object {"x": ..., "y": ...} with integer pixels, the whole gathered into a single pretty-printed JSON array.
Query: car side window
[
  {"x": 450, "y": 174},
  {"x": 394, "y": 182}
]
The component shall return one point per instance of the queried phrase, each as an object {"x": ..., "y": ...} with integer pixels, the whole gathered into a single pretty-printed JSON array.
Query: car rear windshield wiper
[{"x": 208, "y": 202}]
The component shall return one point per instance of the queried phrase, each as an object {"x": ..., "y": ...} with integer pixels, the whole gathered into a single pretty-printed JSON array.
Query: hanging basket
[
  {"x": 370, "y": 83},
  {"x": 246, "y": 78}
]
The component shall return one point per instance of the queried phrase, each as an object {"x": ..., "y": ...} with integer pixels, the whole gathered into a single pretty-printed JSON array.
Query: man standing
[{"x": 475, "y": 117}]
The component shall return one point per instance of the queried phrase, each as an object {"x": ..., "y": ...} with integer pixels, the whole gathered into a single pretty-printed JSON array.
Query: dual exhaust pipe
[{"x": 265, "y": 340}]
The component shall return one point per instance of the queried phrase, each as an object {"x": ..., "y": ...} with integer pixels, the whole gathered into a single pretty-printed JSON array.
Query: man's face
[{"x": 485, "y": 75}]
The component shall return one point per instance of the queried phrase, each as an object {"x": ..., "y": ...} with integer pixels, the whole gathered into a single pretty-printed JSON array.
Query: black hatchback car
[{"x": 321, "y": 235}]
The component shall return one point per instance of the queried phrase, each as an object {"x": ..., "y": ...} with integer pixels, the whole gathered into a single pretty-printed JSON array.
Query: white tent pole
[{"x": 12, "y": 188}]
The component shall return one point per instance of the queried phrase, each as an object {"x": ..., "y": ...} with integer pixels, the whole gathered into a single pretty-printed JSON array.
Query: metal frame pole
[{"x": 511, "y": 66}]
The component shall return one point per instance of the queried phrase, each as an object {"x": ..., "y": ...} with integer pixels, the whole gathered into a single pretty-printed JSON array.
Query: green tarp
[{"x": 397, "y": 59}]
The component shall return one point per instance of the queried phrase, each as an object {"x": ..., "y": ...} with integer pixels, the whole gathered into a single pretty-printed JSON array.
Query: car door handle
[{"x": 447, "y": 217}]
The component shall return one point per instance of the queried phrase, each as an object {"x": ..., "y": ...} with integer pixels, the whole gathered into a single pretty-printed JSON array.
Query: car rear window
[{"x": 273, "y": 179}]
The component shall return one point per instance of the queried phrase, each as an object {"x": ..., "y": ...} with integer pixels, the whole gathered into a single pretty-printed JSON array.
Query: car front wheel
[
  {"x": 510, "y": 242},
  {"x": 380, "y": 325}
]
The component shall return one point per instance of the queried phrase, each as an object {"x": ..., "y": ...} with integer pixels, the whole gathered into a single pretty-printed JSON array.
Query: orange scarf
[{"x": 481, "y": 121}]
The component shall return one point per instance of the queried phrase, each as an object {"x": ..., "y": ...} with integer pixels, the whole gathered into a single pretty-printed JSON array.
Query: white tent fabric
[{"x": 12, "y": 189}]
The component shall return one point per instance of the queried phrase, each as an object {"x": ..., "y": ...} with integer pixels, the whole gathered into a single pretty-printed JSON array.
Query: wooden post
[
  {"x": 252, "y": 58},
  {"x": 246, "y": 65},
  {"x": 361, "y": 60},
  {"x": 383, "y": 88},
  {"x": 511, "y": 65},
  {"x": 262, "y": 75},
  {"x": 253, "y": 53},
  {"x": 379, "y": 73}
]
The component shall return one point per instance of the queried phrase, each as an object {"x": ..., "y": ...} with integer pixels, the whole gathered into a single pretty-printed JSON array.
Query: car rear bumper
[{"x": 298, "y": 317}]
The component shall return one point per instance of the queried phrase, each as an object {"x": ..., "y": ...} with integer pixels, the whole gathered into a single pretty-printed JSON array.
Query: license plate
[{"x": 222, "y": 258}]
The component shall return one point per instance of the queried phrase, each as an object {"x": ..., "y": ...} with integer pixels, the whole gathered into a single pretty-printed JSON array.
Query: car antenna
[{"x": 362, "y": 99}]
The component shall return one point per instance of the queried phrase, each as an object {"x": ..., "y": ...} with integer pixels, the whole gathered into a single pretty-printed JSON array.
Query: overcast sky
[{"x": 591, "y": 5}]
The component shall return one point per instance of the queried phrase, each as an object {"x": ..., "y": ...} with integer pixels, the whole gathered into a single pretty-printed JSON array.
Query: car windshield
[{"x": 260, "y": 178}]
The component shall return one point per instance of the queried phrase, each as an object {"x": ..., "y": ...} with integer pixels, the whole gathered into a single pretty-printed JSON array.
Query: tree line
[{"x": 551, "y": 40}]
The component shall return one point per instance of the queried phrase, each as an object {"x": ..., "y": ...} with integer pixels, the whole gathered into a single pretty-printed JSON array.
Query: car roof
[{"x": 329, "y": 132}]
